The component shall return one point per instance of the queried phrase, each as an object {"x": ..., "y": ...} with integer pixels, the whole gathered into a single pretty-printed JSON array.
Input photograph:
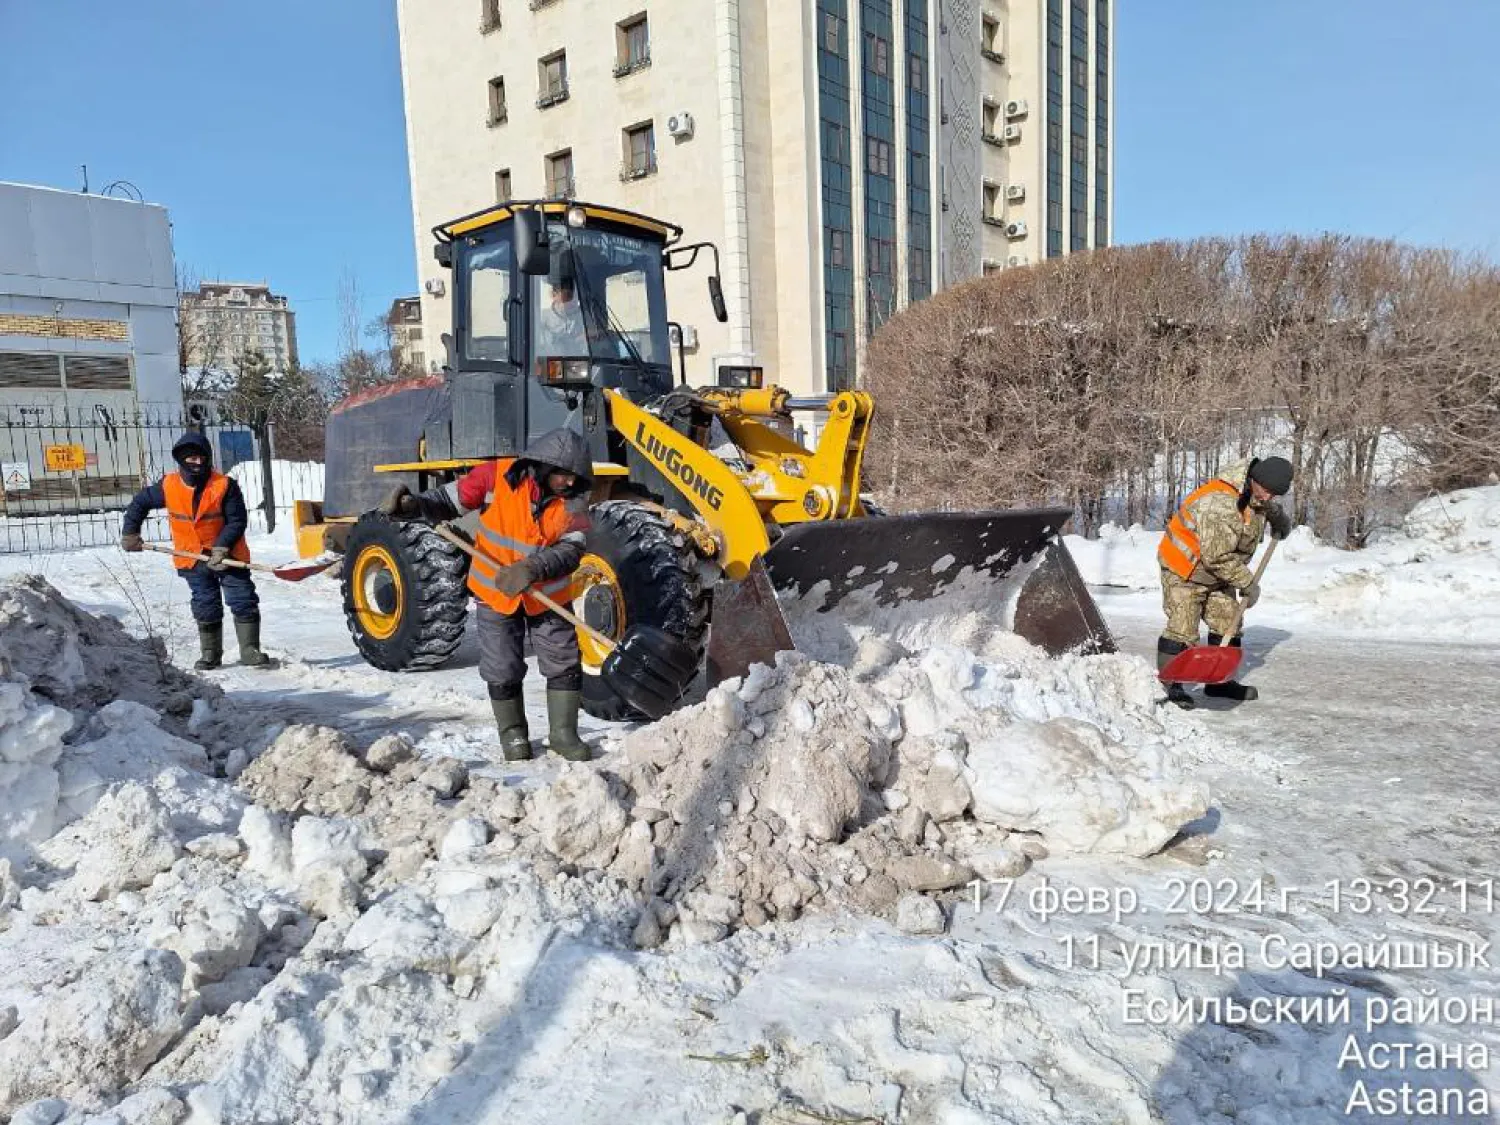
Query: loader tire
[
  {"x": 639, "y": 570},
  {"x": 405, "y": 595}
]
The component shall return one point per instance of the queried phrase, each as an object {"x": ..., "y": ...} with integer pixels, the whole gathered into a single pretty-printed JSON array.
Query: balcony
[
  {"x": 537, "y": 4},
  {"x": 638, "y": 169},
  {"x": 992, "y": 138},
  {"x": 552, "y": 97},
  {"x": 993, "y": 55},
  {"x": 631, "y": 66},
  {"x": 993, "y": 221},
  {"x": 494, "y": 119}
]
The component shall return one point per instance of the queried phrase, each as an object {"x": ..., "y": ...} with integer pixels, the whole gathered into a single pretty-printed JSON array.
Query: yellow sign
[{"x": 65, "y": 458}]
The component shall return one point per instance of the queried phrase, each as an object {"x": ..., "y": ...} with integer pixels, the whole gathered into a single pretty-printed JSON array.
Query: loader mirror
[
  {"x": 716, "y": 297},
  {"x": 528, "y": 233}
]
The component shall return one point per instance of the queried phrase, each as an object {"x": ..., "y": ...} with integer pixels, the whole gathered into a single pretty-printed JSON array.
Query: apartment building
[
  {"x": 225, "y": 319},
  {"x": 846, "y": 156},
  {"x": 403, "y": 321}
]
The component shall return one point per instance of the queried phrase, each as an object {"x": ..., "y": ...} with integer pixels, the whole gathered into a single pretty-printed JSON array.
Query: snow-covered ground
[{"x": 917, "y": 875}]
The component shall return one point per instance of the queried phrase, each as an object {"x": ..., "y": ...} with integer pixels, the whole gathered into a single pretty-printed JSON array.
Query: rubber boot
[
  {"x": 510, "y": 718},
  {"x": 1230, "y": 689},
  {"x": 562, "y": 726},
  {"x": 248, "y": 634},
  {"x": 211, "y": 642},
  {"x": 1176, "y": 693}
]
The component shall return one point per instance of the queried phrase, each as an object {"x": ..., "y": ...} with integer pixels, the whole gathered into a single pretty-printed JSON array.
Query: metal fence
[{"x": 67, "y": 474}]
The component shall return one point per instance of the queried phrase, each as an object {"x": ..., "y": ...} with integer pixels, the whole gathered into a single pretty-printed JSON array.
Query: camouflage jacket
[{"x": 1226, "y": 536}]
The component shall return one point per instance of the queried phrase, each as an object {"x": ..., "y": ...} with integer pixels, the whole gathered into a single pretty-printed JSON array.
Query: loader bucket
[{"x": 897, "y": 559}]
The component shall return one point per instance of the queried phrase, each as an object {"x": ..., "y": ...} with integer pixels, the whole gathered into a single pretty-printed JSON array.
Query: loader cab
[{"x": 552, "y": 301}]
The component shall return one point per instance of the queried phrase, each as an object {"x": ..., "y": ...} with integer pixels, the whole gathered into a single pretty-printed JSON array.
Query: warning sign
[
  {"x": 16, "y": 476},
  {"x": 65, "y": 458}
]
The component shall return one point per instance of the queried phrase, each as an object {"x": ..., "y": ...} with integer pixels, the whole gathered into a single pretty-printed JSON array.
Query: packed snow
[{"x": 917, "y": 871}]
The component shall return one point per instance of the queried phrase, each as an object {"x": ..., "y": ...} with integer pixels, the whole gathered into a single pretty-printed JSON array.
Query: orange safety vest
[
  {"x": 508, "y": 532},
  {"x": 1179, "y": 550},
  {"x": 196, "y": 531}
]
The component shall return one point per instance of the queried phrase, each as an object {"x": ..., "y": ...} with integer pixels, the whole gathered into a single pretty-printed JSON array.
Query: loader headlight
[
  {"x": 577, "y": 217},
  {"x": 746, "y": 378},
  {"x": 560, "y": 371}
]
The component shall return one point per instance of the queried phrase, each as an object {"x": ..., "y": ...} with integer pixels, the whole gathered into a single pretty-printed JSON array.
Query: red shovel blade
[
  {"x": 296, "y": 572},
  {"x": 1202, "y": 664}
]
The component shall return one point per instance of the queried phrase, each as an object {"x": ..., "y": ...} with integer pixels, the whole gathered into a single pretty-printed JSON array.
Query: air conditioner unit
[
  {"x": 1015, "y": 192},
  {"x": 684, "y": 335},
  {"x": 680, "y": 125},
  {"x": 1016, "y": 229},
  {"x": 1016, "y": 107},
  {"x": 1011, "y": 133},
  {"x": 1018, "y": 260}
]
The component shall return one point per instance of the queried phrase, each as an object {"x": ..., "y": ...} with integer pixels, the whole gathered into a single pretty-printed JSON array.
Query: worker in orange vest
[
  {"x": 1204, "y": 556},
  {"x": 534, "y": 515},
  {"x": 207, "y": 514}
]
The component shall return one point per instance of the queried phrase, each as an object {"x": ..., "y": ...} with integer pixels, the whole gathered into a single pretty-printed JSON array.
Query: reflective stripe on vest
[
  {"x": 197, "y": 531},
  {"x": 509, "y": 531},
  {"x": 1180, "y": 550}
]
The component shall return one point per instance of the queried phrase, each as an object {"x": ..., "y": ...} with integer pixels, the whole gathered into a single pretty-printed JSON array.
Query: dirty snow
[{"x": 821, "y": 893}]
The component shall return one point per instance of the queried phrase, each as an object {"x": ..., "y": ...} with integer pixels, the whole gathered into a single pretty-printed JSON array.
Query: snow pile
[{"x": 1437, "y": 577}]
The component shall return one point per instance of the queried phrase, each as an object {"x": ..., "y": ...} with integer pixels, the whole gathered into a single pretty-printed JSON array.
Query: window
[
  {"x": 502, "y": 186},
  {"x": 640, "y": 151},
  {"x": 879, "y": 156},
  {"x": 831, "y": 29},
  {"x": 882, "y": 256},
  {"x": 632, "y": 45},
  {"x": 560, "y": 175},
  {"x": 878, "y": 54},
  {"x": 489, "y": 16},
  {"x": 990, "y": 42},
  {"x": 991, "y": 120},
  {"x": 487, "y": 286},
  {"x": 498, "y": 111},
  {"x": 838, "y": 248},
  {"x": 993, "y": 204},
  {"x": 920, "y": 268},
  {"x": 552, "y": 79}
]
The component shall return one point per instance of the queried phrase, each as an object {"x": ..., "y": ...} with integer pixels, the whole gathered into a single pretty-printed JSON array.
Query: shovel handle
[
  {"x": 205, "y": 558},
  {"x": 1254, "y": 578},
  {"x": 445, "y": 532}
]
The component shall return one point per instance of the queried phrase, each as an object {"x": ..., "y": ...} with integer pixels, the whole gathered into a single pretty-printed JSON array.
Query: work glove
[
  {"x": 216, "y": 557},
  {"x": 1280, "y": 523},
  {"x": 401, "y": 504},
  {"x": 1250, "y": 595},
  {"x": 512, "y": 579},
  {"x": 132, "y": 543}
]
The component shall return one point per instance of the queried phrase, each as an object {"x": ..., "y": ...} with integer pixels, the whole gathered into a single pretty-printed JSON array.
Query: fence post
[{"x": 267, "y": 483}]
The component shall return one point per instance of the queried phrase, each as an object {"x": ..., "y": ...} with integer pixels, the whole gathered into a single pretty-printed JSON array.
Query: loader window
[
  {"x": 614, "y": 302},
  {"x": 487, "y": 288}
]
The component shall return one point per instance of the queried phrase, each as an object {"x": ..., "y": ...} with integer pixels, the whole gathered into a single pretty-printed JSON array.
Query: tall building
[
  {"x": 225, "y": 319},
  {"x": 846, "y": 156},
  {"x": 403, "y": 320}
]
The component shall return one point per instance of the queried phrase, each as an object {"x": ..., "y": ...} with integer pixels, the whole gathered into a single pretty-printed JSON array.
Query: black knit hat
[{"x": 1273, "y": 474}]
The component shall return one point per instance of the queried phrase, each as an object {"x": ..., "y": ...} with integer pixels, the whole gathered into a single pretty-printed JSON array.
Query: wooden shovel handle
[
  {"x": 206, "y": 558},
  {"x": 1254, "y": 578},
  {"x": 445, "y": 532}
]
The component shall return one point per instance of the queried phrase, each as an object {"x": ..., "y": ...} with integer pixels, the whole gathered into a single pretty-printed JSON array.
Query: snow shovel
[
  {"x": 649, "y": 669},
  {"x": 287, "y": 572},
  {"x": 1213, "y": 664}
]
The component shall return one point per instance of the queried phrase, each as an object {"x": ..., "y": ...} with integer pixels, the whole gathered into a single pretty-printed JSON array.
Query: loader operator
[
  {"x": 1203, "y": 557},
  {"x": 207, "y": 512},
  {"x": 535, "y": 514}
]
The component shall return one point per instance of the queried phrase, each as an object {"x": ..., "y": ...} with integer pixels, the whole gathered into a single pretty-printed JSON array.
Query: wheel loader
[{"x": 706, "y": 504}]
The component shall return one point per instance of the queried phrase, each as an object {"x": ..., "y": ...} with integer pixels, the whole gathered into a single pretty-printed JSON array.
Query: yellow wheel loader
[{"x": 705, "y": 503}]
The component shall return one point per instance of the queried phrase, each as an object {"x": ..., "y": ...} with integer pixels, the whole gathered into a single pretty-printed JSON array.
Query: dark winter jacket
[{"x": 150, "y": 498}]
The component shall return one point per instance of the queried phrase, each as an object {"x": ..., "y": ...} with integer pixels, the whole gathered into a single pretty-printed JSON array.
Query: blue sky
[{"x": 274, "y": 133}]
